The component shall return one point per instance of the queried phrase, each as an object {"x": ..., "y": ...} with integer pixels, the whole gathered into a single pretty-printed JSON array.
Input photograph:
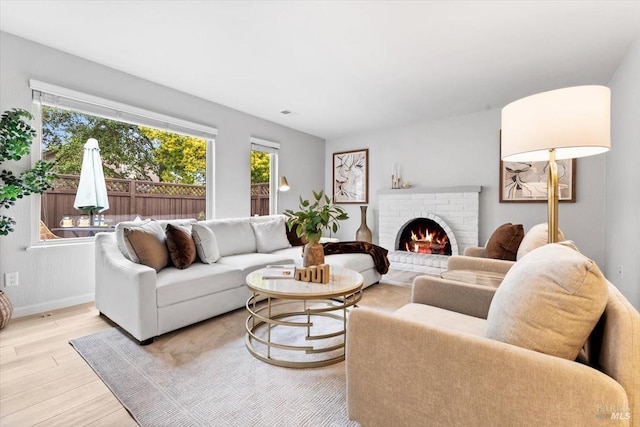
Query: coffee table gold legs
[{"x": 267, "y": 316}]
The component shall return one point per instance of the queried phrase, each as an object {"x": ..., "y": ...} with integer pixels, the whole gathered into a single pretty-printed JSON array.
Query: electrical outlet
[{"x": 11, "y": 279}]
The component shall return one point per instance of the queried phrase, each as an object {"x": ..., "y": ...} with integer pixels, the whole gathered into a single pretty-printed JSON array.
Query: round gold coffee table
[{"x": 301, "y": 324}]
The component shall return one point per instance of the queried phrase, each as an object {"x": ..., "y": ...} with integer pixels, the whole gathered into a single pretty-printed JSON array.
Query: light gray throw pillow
[
  {"x": 549, "y": 302},
  {"x": 271, "y": 235},
  {"x": 206, "y": 243}
]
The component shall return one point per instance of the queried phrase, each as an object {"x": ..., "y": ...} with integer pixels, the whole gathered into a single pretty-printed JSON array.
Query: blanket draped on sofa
[{"x": 379, "y": 254}]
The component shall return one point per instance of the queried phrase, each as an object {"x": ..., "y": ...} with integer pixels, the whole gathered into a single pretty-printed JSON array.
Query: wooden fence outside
[
  {"x": 260, "y": 199},
  {"x": 130, "y": 198}
]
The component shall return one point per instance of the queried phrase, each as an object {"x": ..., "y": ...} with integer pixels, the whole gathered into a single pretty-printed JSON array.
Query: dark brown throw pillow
[
  {"x": 504, "y": 242},
  {"x": 182, "y": 248},
  {"x": 293, "y": 237}
]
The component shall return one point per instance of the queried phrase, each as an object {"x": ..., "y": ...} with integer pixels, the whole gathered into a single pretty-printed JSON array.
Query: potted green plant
[
  {"x": 16, "y": 136},
  {"x": 312, "y": 218}
]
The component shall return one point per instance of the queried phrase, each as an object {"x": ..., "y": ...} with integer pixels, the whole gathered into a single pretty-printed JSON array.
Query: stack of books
[{"x": 279, "y": 272}]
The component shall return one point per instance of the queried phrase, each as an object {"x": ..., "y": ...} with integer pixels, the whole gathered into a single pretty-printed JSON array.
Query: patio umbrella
[{"x": 91, "y": 195}]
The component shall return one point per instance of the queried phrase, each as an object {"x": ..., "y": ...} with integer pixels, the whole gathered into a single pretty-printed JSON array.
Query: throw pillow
[
  {"x": 148, "y": 243},
  {"x": 182, "y": 249},
  {"x": 123, "y": 243},
  {"x": 206, "y": 243},
  {"x": 549, "y": 302},
  {"x": 534, "y": 238},
  {"x": 271, "y": 235},
  {"x": 292, "y": 236},
  {"x": 504, "y": 242}
]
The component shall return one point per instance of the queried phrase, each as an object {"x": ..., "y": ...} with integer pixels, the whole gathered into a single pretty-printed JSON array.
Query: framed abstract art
[
  {"x": 527, "y": 181},
  {"x": 351, "y": 176}
]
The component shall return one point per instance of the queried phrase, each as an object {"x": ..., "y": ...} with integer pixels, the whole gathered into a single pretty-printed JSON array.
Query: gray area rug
[{"x": 203, "y": 375}]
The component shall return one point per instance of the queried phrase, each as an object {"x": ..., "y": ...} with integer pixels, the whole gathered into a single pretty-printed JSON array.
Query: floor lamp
[
  {"x": 555, "y": 125},
  {"x": 283, "y": 185}
]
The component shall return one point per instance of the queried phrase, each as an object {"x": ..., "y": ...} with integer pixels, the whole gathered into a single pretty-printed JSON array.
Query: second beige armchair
[{"x": 476, "y": 258}]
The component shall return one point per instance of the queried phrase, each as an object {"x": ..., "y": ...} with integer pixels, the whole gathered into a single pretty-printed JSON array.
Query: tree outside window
[{"x": 150, "y": 173}]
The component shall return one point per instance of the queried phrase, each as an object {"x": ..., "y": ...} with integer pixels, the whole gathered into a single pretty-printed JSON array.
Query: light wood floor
[{"x": 45, "y": 382}]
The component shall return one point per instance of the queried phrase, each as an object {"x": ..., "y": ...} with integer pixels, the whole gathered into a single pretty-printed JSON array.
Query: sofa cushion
[
  {"x": 174, "y": 286},
  {"x": 182, "y": 249},
  {"x": 270, "y": 235},
  {"x": 182, "y": 222},
  {"x": 537, "y": 236},
  {"x": 206, "y": 243},
  {"x": 148, "y": 244},
  {"x": 234, "y": 236},
  {"x": 357, "y": 262},
  {"x": 251, "y": 262},
  {"x": 504, "y": 242},
  {"x": 293, "y": 253},
  {"x": 549, "y": 301}
]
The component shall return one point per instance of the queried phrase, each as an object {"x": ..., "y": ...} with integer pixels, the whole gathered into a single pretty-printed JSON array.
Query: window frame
[
  {"x": 59, "y": 97},
  {"x": 273, "y": 148}
]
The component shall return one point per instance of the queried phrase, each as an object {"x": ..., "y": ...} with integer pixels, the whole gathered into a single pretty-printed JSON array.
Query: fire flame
[{"x": 423, "y": 241}]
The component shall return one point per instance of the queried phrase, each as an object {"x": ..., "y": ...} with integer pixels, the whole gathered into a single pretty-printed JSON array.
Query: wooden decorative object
[
  {"x": 315, "y": 274},
  {"x": 6, "y": 309}
]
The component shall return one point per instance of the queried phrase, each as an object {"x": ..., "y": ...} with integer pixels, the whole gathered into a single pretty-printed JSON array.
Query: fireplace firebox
[
  {"x": 423, "y": 236},
  {"x": 455, "y": 209}
]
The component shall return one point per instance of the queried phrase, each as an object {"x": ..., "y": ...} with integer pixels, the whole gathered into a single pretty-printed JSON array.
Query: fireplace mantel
[
  {"x": 428, "y": 190},
  {"x": 456, "y": 206}
]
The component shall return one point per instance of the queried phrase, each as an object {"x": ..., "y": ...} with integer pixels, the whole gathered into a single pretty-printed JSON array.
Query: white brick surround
[{"x": 456, "y": 209}]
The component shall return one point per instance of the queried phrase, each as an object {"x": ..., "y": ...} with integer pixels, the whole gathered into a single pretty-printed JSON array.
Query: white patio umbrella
[{"x": 92, "y": 190}]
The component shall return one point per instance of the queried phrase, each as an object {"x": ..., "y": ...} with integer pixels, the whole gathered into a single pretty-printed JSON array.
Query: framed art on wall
[
  {"x": 527, "y": 181},
  {"x": 351, "y": 176}
]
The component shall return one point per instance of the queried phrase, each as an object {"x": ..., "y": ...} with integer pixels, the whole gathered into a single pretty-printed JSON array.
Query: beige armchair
[
  {"x": 475, "y": 258},
  {"x": 430, "y": 363}
]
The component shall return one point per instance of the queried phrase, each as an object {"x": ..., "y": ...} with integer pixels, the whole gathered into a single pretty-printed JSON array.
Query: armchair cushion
[
  {"x": 504, "y": 242},
  {"x": 550, "y": 302}
]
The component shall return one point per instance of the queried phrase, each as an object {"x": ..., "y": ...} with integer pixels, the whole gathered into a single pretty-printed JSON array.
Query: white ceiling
[{"x": 342, "y": 67}]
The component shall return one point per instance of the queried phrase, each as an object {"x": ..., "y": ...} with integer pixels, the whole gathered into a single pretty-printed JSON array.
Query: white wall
[
  {"x": 58, "y": 276},
  {"x": 464, "y": 150},
  {"x": 622, "y": 201}
]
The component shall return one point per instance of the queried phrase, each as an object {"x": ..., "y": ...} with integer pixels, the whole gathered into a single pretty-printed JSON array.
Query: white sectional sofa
[{"x": 146, "y": 303}]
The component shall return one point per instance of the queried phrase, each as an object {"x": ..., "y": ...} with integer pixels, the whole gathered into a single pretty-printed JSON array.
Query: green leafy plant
[
  {"x": 315, "y": 216},
  {"x": 16, "y": 136}
]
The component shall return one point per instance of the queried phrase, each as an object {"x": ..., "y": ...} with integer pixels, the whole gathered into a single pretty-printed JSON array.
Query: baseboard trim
[{"x": 52, "y": 305}]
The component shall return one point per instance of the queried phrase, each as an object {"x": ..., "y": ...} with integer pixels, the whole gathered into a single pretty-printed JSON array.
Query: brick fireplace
[{"x": 454, "y": 212}]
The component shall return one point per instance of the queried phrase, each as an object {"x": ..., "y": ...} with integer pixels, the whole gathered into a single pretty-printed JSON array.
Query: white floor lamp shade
[{"x": 559, "y": 124}]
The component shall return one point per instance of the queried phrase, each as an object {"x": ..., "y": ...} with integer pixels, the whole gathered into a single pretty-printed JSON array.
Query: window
[
  {"x": 264, "y": 173},
  {"x": 154, "y": 166}
]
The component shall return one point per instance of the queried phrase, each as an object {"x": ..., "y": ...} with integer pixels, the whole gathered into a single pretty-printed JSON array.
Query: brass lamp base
[{"x": 552, "y": 198}]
